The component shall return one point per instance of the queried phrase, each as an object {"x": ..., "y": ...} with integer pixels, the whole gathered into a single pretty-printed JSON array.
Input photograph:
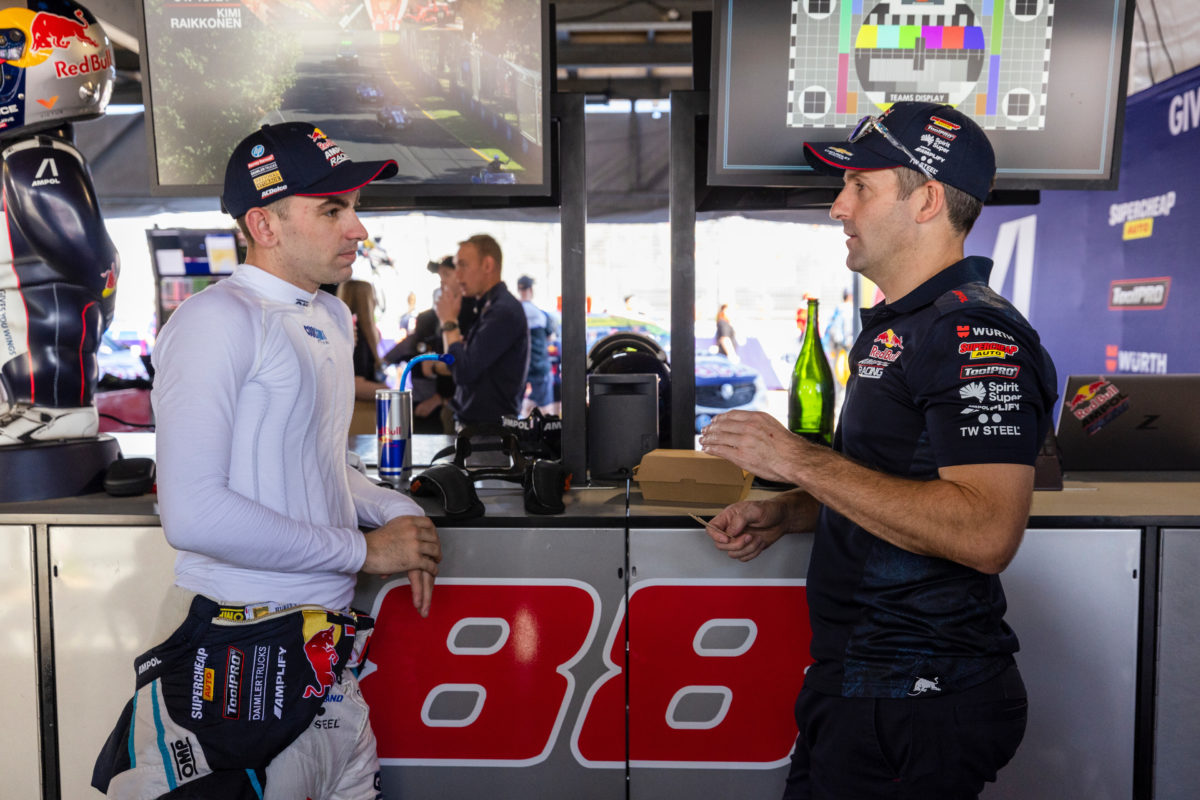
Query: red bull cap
[{"x": 293, "y": 158}]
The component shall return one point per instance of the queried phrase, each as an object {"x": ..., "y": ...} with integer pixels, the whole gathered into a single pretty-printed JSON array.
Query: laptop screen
[{"x": 1130, "y": 422}]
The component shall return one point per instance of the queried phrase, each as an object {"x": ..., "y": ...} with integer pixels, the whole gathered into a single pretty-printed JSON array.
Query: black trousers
[{"x": 944, "y": 747}]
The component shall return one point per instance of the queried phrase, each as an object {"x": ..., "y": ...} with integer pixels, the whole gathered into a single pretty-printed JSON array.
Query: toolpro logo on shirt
[{"x": 977, "y": 350}]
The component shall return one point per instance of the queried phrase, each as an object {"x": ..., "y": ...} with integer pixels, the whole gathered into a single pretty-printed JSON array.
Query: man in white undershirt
[{"x": 253, "y": 394}]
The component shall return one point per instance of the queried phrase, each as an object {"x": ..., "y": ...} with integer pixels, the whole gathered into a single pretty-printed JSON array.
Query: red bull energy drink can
[{"x": 393, "y": 426}]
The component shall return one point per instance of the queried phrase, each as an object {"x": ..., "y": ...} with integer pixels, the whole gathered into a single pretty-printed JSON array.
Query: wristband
[{"x": 448, "y": 326}]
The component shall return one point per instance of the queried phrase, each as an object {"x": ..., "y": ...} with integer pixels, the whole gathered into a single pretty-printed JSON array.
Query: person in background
[
  {"x": 408, "y": 320},
  {"x": 542, "y": 331},
  {"x": 924, "y": 497},
  {"x": 726, "y": 337},
  {"x": 432, "y": 391},
  {"x": 359, "y": 297},
  {"x": 252, "y": 395},
  {"x": 490, "y": 363}
]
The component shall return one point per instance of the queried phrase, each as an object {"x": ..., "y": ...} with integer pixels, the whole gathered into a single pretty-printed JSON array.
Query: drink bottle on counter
[{"x": 810, "y": 399}]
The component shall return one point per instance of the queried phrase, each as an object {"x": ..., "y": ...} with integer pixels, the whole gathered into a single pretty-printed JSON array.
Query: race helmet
[{"x": 56, "y": 65}]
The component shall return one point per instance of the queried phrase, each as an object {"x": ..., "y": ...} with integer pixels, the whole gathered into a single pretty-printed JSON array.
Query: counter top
[
  {"x": 1094, "y": 503},
  {"x": 1090, "y": 499}
]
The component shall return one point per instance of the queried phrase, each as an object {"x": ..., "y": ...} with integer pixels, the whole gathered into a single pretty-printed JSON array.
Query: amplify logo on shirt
[{"x": 317, "y": 334}]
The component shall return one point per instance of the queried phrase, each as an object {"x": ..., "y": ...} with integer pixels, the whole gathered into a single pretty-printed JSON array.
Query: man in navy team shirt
[{"x": 924, "y": 497}]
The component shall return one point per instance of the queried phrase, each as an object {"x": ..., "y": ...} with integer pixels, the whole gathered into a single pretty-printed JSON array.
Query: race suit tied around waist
[{"x": 222, "y": 696}]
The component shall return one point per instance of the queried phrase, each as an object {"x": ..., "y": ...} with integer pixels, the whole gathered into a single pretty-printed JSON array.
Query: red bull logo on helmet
[{"x": 46, "y": 32}]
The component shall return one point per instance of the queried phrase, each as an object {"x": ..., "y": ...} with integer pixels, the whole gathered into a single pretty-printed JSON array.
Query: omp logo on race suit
[
  {"x": 1183, "y": 112},
  {"x": 184, "y": 758},
  {"x": 1139, "y": 293},
  {"x": 987, "y": 350},
  {"x": 701, "y": 647},
  {"x": 201, "y": 685},
  {"x": 1137, "y": 216}
]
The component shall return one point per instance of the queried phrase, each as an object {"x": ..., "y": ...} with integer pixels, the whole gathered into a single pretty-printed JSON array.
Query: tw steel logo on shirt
[{"x": 507, "y": 650}]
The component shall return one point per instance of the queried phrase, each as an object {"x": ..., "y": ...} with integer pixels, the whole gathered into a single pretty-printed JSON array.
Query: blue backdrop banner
[{"x": 1107, "y": 277}]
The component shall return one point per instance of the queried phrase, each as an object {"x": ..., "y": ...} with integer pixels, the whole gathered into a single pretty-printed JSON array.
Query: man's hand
[
  {"x": 745, "y": 529},
  {"x": 406, "y": 544},
  {"x": 449, "y": 302},
  {"x": 756, "y": 442},
  {"x": 428, "y": 406}
]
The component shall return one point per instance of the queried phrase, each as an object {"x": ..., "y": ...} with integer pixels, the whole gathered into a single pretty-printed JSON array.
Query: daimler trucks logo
[{"x": 1146, "y": 294}]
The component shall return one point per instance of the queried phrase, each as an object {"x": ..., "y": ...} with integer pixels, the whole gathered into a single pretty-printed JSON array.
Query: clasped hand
[{"x": 406, "y": 544}]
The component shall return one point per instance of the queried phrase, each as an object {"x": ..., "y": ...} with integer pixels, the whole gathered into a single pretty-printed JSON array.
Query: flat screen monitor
[
  {"x": 1044, "y": 78},
  {"x": 454, "y": 90}
]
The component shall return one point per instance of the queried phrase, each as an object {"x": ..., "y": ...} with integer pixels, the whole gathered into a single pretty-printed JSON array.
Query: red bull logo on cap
[{"x": 320, "y": 648}]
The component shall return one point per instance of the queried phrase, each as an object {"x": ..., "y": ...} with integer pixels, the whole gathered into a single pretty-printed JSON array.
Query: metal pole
[{"x": 568, "y": 113}]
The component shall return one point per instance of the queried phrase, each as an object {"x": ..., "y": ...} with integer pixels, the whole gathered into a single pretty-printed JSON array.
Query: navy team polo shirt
[{"x": 949, "y": 374}]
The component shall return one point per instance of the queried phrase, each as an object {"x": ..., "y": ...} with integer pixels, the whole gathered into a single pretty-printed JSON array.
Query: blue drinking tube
[{"x": 446, "y": 359}]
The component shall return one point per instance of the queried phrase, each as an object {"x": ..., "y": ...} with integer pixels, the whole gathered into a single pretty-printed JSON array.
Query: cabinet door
[
  {"x": 20, "y": 763},
  {"x": 717, "y": 654},
  {"x": 1073, "y": 601},
  {"x": 504, "y": 673},
  {"x": 1176, "y": 726},
  {"x": 107, "y": 585}
]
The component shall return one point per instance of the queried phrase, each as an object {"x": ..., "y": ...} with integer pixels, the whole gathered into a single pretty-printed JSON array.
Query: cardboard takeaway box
[{"x": 689, "y": 476}]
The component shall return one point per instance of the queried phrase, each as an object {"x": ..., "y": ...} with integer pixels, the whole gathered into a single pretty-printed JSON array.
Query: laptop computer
[{"x": 1130, "y": 422}]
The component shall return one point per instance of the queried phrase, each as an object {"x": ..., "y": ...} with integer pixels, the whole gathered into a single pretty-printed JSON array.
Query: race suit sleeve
[
  {"x": 202, "y": 361},
  {"x": 377, "y": 504}
]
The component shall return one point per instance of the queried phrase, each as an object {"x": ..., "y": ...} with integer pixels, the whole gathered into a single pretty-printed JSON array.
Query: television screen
[
  {"x": 454, "y": 90},
  {"x": 1044, "y": 78}
]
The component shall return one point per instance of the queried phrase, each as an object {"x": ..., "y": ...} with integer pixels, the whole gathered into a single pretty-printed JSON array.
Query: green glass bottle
[{"x": 810, "y": 399}]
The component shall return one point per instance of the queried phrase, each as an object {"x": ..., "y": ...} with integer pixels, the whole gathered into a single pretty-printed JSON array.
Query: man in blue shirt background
[{"x": 490, "y": 364}]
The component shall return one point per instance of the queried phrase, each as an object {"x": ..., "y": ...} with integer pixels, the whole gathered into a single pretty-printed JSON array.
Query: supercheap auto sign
[{"x": 1109, "y": 278}]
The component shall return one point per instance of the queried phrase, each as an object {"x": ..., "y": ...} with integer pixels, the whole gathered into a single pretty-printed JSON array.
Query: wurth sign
[{"x": 486, "y": 679}]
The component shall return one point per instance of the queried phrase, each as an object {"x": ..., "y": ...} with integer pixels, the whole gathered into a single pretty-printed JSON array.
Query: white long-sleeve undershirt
[{"x": 253, "y": 393}]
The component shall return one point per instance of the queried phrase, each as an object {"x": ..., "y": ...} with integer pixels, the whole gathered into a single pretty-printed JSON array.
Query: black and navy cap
[
  {"x": 524, "y": 282},
  {"x": 948, "y": 143},
  {"x": 293, "y": 158},
  {"x": 444, "y": 261}
]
